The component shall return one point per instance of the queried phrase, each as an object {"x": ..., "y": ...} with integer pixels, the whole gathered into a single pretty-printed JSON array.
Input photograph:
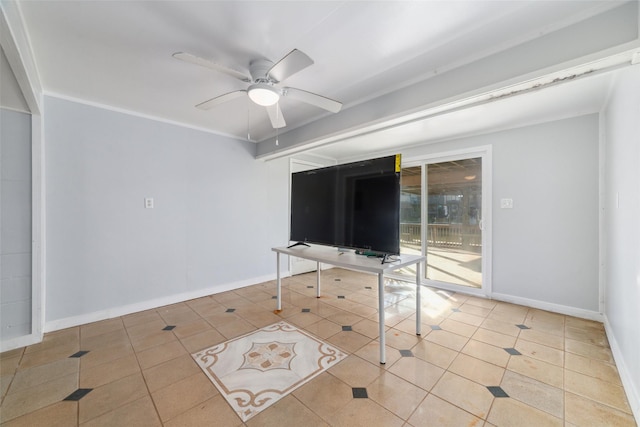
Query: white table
[{"x": 352, "y": 261}]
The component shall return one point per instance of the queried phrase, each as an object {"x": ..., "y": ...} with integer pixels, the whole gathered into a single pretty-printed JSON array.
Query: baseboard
[
  {"x": 68, "y": 322},
  {"x": 631, "y": 389},
  {"x": 18, "y": 342},
  {"x": 549, "y": 306}
]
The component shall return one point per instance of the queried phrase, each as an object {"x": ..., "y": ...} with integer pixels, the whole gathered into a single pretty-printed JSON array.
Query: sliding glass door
[{"x": 443, "y": 217}]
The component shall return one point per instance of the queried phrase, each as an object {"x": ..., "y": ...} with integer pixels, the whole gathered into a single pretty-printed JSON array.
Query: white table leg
[
  {"x": 418, "y": 304},
  {"x": 318, "y": 280},
  {"x": 278, "y": 295},
  {"x": 381, "y": 317}
]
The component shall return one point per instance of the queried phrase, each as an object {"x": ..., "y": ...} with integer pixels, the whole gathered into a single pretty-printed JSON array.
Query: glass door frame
[{"x": 485, "y": 153}]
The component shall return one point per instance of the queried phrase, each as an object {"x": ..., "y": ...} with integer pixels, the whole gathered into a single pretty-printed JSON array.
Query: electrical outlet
[
  {"x": 148, "y": 203},
  {"x": 506, "y": 203}
]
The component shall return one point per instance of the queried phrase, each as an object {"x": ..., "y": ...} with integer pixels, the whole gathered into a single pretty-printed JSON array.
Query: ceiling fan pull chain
[
  {"x": 248, "y": 121},
  {"x": 277, "y": 120}
]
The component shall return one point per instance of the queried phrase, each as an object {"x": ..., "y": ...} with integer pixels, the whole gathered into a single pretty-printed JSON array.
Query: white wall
[
  {"x": 545, "y": 249},
  {"x": 15, "y": 230},
  {"x": 211, "y": 228},
  {"x": 622, "y": 229}
]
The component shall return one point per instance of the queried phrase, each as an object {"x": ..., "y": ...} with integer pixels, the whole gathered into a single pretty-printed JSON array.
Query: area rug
[{"x": 256, "y": 370}]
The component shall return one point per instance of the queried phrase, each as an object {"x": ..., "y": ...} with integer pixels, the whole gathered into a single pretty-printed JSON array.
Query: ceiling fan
[{"x": 263, "y": 80}]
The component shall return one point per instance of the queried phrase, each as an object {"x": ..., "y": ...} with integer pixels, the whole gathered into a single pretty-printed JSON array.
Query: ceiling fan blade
[
  {"x": 293, "y": 62},
  {"x": 187, "y": 57},
  {"x": 207, "y": 105},
  {"x": 275, "y": 115},
  {"x": 313, "y": 99}
]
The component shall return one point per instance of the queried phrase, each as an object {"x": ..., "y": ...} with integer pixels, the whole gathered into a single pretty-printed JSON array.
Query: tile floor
[{"x": 477, "y": 363}]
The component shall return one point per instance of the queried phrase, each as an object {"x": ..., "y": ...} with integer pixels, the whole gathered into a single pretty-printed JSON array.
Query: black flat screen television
[{"x": 354, "y": 205}]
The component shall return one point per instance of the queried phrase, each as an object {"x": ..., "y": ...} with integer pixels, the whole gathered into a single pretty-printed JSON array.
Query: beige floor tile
[
  {"x": 585, "y": 412},
  {"x": 541, "y": 352},
  {"x": 590, "y": 336},
  {"x": 537, "y": 369},
  {"x": 566, "y": 367},
  {"x": 183, "y": 395},
  {"x": 140, "y": 412},
  {"x": 160, "y": 353},
  {"x": 471, "y": 308},
  {"x": 61, "y": 414},
  {"x": 543, "y": 338},
  {"x": 588, "y": 350},
  {"x": 435, "y": 412},
  {"x": 287, "y": 412},
  {"x": 66, "y": 338},
  {"x": 16, "y": 352},
  {"x": 371, "y": 353},
  {"x": 355, "y": 371},
  {"x": 494, "y": 338},
  {"x": 151, "y": 327},
  {"x": 105, "y": 355},
  {"x": 324, "y": 395},
  {"x": 470, "y": 319},
  {"x": 401, "y": 340},
  {"x": 111, "y": 396},
  {"x": 108, "y": 372},
  {"x": 481, "y": 302},
  {"x": 447, "y": 339},
  {"x": 511, "y": 412},
  {"x": 9, "y": 365},
  {"x": 202, "y": 340},
  {"x": 576, "y": 322},
  {"x": 552, "y": 321},
  {"x": 5, "y": 382},
  {"x": 364, "y": 413},
  {"x": 592, "y": 367},
  {"x": 434, "y": 353},
  {"x": 395, "y": 394},
  {"x": 344, "y": 318},
  {"x": 513, "y": 317},
  {"x": 31, "y": 377},
  {"x": 140, "y": 318},
  {"x": 151, "y": 340},
  {"x": 235, "y": 329},
  {"x": 37, "y": 397},
  {"x": 215, "y": 411},
  {"x": 368, "y": 328},
  {"x": 596, "y": 389},
  {"x": 262, "y": 319},
  {"x": 191, "y": 328},
  {"x": 99, "y": 328},
  {"x": 501, "y": 327},
  {"x": 301, "y": 319},
  {"x": 483, "y": 373},
  {"x": 475, "y": 399},
  {"x": 48, "y": 355},
  {"x": 349, "y": 341},
  {"x": 323, "y": 329},
  {"x": 486, "y": 352},
  {"x": 458, "y": 328},
  {"x": 170, "y": 372},
  {"x": 534, "y": 393},
  {"x": 417, "y": 371},
  {"x": 106, "y": 340},
  {"x": 178, "y": 315}
]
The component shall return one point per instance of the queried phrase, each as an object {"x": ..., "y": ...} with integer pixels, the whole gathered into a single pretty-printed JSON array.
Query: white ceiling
[{"x": 118, "y": 53}]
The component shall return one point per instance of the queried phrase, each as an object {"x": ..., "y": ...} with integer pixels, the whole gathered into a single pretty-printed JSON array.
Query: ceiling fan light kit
[
  {"x": 263, "y": 94},
  {"x": 262, "y": 90}
]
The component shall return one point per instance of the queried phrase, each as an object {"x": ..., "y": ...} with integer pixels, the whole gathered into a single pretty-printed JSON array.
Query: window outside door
[{"x": 443, "y": 216}]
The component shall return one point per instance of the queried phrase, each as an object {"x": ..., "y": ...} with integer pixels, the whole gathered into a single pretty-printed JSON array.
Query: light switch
[
  {"x": 148, "y": 203},
  {"x": 506, "y": 203}
]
